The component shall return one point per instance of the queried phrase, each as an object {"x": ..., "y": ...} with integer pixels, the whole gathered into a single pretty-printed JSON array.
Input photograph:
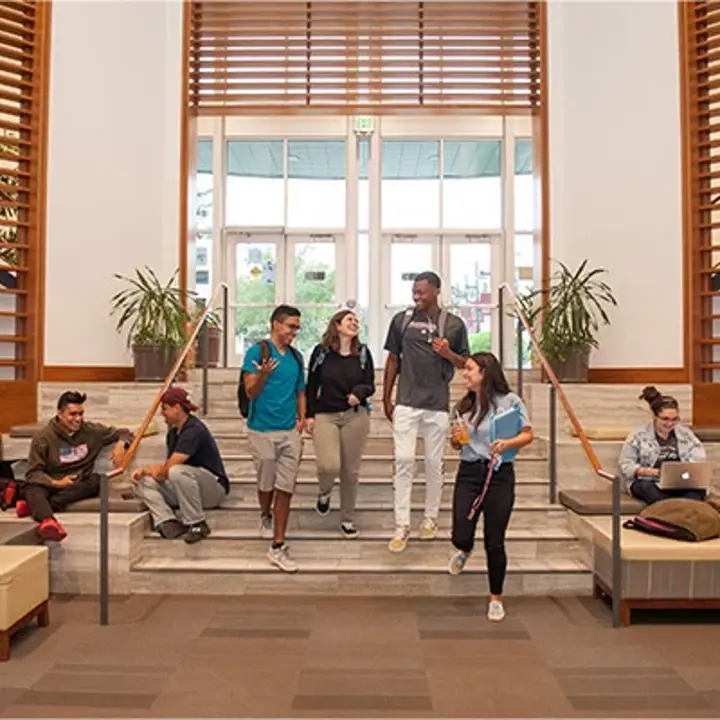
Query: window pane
[
  {"x": 471, "y": 287},
  {"x": 204, "y": 185},
  {"x": 255, "y": 185},
  {"x": 410, "y": 184},
  {"x": 407, "y": 260},
  {"x": 316, "y": 183},
  {"x": 203, "y": 265},
  {"x": 472, "y": 188},
  {"x": 363, "y": 282},
  {"x": 363, "y": 185},
  {"x": 524, "y": 262},
  {"x": 255, "y": 285},
  {"x": 524, "y": 187}
]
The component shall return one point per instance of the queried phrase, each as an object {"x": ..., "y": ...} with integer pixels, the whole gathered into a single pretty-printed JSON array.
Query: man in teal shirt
[{"x": 274, "y": 380}]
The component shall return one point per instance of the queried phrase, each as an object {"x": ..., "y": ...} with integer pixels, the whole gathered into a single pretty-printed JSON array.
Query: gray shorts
[{"x": 277, "y": 458}]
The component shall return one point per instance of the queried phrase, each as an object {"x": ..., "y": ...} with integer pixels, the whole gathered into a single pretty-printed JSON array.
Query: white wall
[
  {"x": 113, "y": 165},
  {"x": 616, "y": 167}
]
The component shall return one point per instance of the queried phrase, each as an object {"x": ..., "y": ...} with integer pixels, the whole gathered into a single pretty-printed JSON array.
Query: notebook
[{"x": 505, "y": 425}]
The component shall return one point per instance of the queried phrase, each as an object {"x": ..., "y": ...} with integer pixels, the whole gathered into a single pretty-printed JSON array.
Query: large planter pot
[
  {"x": 574, "y": 369},
  {"x": 214, "y": 344},
  {"x": 153, "y": 362}
]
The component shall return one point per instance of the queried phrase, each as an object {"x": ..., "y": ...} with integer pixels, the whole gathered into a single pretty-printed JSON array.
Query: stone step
[
  {"x": 237, "y": 514},
  {"x": 370, "y": 546},
  {"x": 375, "y": 466},
  {"x": 396, "y": 575},
  {"x": 380, "y": 490}
]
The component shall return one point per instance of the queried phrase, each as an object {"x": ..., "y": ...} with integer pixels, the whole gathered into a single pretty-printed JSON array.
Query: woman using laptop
[
  {"x": 663, "y": 440},
  {"x": 491, "y": 424}
]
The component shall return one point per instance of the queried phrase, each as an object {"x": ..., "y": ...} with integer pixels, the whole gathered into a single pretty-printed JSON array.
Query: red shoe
[
  {"x": 22, "y": 509},
  {"x": 51, "y": 529}
]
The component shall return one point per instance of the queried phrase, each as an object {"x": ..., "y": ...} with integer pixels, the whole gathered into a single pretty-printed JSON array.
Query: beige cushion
[
  {"x": 618, "y": 432},
  {"x": 29, "y": 431},
  {"x": 598, "y": 502},
  {"x": 641, "y": 546},
  {"x": 24, "y": 582}
]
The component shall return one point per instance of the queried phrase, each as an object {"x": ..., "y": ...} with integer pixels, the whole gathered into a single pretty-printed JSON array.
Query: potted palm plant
[
  {"x": 568, "y": 316},
  {"x": 155, "y": 318},
  {"x": 214, "y": 330}
]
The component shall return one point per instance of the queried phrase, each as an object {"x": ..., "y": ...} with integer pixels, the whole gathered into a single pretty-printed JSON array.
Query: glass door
[
  {"x": 270, "y": 268},
  {"x": 256, "y": 283},
  {"x": 471, "y": 265},
  {"x": 312, "y": 284},
  {"x": 404, "y": 257}
]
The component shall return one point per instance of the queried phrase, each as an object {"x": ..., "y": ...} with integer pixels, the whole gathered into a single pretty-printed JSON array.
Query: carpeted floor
[{"x": 346, "y": 657}]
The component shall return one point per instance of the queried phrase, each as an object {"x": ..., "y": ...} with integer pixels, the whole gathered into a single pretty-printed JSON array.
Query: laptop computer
[{"x": 685, "y": 475}]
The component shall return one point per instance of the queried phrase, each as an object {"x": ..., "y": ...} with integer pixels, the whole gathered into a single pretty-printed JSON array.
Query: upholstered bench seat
[
  {"x": 598, "y": 502},
  {"x": 657, "y": 573},
  {"x": 24, "y": 590}
]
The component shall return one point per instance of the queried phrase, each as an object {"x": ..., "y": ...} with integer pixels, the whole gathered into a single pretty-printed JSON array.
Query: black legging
[
  {"x": 649, "y": 492},
  {"x": 496, "y": 509}
]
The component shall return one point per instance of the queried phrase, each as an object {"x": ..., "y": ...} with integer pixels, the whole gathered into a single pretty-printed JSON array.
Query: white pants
[{"x": 433, "y": 426}]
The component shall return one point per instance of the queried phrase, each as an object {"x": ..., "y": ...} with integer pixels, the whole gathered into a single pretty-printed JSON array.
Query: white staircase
[{"x": 544, "y": 554}]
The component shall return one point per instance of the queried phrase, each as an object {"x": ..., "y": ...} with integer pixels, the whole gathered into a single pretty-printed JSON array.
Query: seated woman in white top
[
  {"x": 662, "y": 440},
  {"x": 488, "y": 396}
]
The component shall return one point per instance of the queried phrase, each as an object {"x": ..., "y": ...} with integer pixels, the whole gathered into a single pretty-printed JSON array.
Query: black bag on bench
[
  {"x": 8, "y": 486},
  {"x": 678, "y": 519}
]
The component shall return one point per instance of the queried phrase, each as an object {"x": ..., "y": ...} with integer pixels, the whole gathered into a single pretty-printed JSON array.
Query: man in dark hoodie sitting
[{"x": 61, "y": 461}]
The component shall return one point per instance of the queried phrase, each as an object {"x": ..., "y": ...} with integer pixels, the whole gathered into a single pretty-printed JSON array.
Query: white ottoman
[{"x": 24, "y": 590}]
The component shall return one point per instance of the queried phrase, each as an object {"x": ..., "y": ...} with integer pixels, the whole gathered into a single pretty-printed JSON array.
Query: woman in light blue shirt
[{"x": 488, "y": 407}]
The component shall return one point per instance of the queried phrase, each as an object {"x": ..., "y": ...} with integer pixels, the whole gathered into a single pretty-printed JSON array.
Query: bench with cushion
[
  {"x": 24, "y": 590},
  {"x": 657, "y": 573},
  {"x": 598, "y": 502}
]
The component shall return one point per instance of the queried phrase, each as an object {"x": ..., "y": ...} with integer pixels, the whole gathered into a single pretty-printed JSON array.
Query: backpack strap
[
  {"x": 363, "y": 357},
  {"x": 442, "y": 322},
  {"x": 407, "y": 319},
  {"x": 320, "y": 358}
]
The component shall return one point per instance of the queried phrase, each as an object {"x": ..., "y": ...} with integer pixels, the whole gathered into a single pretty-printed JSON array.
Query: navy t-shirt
[{"x": 195, "y": 440}]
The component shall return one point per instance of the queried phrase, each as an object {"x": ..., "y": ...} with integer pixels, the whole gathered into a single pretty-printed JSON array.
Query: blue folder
[{"x": 505, "y": 425}]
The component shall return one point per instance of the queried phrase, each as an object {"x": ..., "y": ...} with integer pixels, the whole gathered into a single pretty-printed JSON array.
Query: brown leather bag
[{"x": 699, "y": 520}]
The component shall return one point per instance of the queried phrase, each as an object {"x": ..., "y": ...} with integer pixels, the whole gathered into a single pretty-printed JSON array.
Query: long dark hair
[
  {"x": 331, "y": 336},
  {"x": 494, "y": 383},
  {"x": 657, "y": 401}
]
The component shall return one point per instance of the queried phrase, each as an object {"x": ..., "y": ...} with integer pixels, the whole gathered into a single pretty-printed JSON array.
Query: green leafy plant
[
  {"x": 213, "y": 318},
  {"x": 152, "y": 313},
  {"x": 8, "y": 211},
  {"x": 568, "y": 317}
]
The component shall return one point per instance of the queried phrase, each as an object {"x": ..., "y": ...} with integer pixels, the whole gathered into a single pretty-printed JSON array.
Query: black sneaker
[
  {"x": 323, "y": 504},
  {"x": 349, "y": 530},
  {"x": 197, "y": 532},
  {"x": 171, "y": 529}
]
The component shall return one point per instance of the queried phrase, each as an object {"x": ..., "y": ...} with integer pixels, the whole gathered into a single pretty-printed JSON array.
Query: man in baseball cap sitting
[{"x": 190, "y": 481}]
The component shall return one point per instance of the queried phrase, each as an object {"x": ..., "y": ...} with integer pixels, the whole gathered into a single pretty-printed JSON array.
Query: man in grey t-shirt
[{"x": 425, "y": 345}]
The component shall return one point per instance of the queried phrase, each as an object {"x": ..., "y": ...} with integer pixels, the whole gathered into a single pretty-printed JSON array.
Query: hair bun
[{"x": 650, "y": 394}]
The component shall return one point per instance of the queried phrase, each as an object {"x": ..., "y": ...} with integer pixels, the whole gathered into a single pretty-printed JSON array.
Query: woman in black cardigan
[{"x": 341, "y": 381}]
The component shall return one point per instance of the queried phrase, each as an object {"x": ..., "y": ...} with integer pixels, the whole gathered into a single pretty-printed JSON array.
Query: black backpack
[{"x": 265, "y": 353}]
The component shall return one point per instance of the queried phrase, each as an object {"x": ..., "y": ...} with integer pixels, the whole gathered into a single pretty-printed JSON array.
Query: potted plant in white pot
[
  {"x": 155, "y": 319},
  {"x": 567, "y": 318}
]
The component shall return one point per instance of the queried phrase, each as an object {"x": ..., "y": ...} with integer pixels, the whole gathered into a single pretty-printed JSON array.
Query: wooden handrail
[
  {"x": 130, "y": 454},
  {"x": 574, "y": 421}
]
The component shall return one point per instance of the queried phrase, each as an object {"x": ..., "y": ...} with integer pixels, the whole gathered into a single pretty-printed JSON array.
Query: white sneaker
[
  {"x": 398, "y": 542},
  {"x": 428, "y": 529},
  {"x": 496, "y": 611},
  {"x": 280, "y": 558},
  {"x": 458, "y": 562}
]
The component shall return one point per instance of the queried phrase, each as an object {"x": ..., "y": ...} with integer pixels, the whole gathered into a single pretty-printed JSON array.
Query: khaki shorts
[{"x": 276, "y": 456}]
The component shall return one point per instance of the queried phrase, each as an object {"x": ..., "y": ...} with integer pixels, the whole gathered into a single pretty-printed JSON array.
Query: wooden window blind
[
  {"x": 700, "y": 47},
  {"x": 24, "y": 47},
  {"x": 372, "y": 57}
]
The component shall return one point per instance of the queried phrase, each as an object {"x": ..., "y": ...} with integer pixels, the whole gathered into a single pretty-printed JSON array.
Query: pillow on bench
[{"x": 598, "y": 502}]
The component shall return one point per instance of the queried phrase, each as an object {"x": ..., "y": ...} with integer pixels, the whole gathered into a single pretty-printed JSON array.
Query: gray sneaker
[
  {"x": 266, "y": 526},
  {"x": 280, "y": 558}
]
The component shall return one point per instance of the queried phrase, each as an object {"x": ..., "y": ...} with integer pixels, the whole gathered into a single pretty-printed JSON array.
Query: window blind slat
[{"x": 293, "y": 56}]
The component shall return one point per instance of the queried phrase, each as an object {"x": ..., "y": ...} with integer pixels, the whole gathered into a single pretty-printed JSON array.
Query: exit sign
[{"x": 364, "y": 124}]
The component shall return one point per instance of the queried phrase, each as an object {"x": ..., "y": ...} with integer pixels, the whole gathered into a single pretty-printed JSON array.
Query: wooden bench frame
[
  {"x": 627, "y": 605},
  {"x": 41, "y": 612}
]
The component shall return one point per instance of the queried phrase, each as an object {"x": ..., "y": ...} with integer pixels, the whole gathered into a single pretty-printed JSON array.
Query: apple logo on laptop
[{"x": 685, "y": 475}]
